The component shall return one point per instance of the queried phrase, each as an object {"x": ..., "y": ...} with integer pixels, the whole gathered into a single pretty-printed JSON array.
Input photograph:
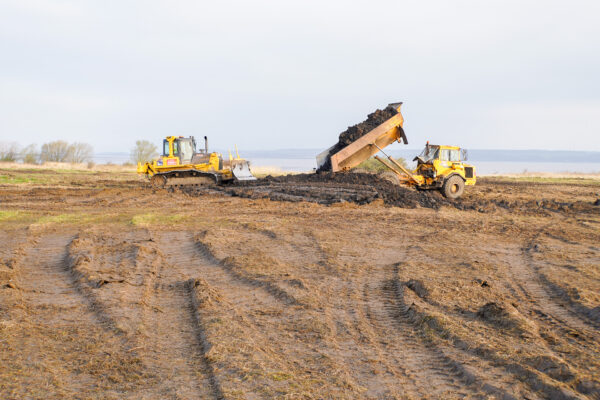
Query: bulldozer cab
[{"x": 183, "y": 148}]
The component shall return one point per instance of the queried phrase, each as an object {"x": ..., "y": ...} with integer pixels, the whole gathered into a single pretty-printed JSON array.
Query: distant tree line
[
  {"x": 61, "y": 151},
  {"x": 57, "y": 151}
]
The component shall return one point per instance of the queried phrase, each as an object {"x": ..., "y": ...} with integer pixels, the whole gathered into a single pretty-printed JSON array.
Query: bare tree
[
  {"x": 9, "y": 151},
  {"x": 80, "y": 153},
  {"x": 56, "y": 151},
  {"x": 143, "y": 151},
  {"x": 30, "y": 154}
]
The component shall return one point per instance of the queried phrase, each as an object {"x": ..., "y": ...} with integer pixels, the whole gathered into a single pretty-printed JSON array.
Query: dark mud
[
  {"x": 418, "y": 287},
  {"x": 363, "y": 188},
  {"x": 329, "y": 188},
  {"x": 357, "y": 131}
]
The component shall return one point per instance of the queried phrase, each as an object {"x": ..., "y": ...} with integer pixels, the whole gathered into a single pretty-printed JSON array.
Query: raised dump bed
[{"x": 365, "y": 146}]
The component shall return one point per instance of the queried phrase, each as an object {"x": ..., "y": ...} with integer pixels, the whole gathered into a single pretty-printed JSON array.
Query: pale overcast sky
[{"x": 294, "y": 74}]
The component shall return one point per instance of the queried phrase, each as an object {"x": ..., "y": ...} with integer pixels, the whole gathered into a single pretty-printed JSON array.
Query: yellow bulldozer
[
  {"x": 438, "y": 167},
  {"x": 181, "y": 164}
]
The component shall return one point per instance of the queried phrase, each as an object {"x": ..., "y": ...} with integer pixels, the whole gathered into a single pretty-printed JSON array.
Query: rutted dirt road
[{"x": 119, "y": 291}]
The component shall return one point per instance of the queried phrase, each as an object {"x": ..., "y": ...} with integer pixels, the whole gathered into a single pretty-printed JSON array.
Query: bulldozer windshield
[{"x": 186, "y": 150}]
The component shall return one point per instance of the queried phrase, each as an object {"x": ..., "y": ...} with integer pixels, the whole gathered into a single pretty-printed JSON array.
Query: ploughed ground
[{"x": 110, "y": 289}]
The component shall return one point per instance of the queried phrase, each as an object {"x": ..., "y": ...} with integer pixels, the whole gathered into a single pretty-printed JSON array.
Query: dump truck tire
[{"x": 453, "y": 187}]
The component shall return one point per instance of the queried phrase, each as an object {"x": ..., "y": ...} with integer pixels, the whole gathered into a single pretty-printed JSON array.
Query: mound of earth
[
  {"x": 357, "y": 131},
  {"x": 418, "y": 287},
  {"x": 504, "y": 316},
  {"x": 372, "y": 187}
]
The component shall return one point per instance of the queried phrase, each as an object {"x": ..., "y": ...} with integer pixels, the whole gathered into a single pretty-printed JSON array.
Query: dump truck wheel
[
  {"x": 453, "y": 187},
  {"x": 158, "y": 181}
]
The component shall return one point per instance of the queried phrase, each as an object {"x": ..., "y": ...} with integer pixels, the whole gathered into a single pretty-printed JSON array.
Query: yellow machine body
[
  {"x": 180, "y": 164},
  {"x": 444, "y": 162},
  {"x": 438, "y": 167}
]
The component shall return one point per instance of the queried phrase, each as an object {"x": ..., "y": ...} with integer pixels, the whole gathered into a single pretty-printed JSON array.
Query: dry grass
[
  {"x": 70, "y": 167},
  {"x": 258, "y": 299}
]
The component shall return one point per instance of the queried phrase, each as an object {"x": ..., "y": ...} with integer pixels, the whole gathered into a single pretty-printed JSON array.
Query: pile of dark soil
[
  {"x": 330, "y": 188},
  {"x": 357, "y": 131},
  {"x": 390, "y": 193}
]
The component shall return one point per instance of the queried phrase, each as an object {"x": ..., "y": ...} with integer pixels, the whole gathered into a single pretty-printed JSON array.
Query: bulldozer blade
[{"x": 241, "y": 171}]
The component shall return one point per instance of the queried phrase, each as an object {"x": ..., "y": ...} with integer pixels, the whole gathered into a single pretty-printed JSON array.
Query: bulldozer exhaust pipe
[{"x": 205, "y": 145}]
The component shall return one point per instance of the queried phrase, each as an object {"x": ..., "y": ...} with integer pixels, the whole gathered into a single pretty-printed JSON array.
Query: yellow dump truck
[
  {"x": 180, "y": 164},
  {"x": 438, "y": 167}
]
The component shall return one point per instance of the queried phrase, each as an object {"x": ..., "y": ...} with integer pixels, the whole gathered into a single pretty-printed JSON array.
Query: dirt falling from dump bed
[{"x": 359, "y": 130}]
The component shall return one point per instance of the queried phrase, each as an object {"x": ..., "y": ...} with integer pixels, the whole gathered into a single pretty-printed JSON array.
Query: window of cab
[{"x": 449, "y": 155}]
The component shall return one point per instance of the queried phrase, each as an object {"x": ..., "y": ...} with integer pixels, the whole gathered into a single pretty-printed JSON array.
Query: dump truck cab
[{"x": 442, "y": 167}]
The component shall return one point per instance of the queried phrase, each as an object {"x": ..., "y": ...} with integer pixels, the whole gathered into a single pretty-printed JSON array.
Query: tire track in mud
[
  {"x": 401, "y": 346},
  {"x": 54, "y": 300},
  {"x": 174, "y": 337},
  {"x": 349, "y": 341},
  {"x": 352, "y": 345},
  {"x": 414, "y": 366},
  {"x": 373, "y": 325},
  {"x": 545, "y": 307},
  {"x": 79, "y": 282},
  {"x": 270, "y": 288},
  {"x": 429, "y": 365},
  {"x": 246, "y": 302},
  {"x": 153, "y": 310},
  {"x": 349, "y": 305},
  {"x": 591, "y": 317},
  {"x": 47, "y": 272},
  {"x": 496, "y": 366}
]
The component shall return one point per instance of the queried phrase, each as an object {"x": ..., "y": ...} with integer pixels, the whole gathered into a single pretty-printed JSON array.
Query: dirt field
[{"x": 113, "y": 290}]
